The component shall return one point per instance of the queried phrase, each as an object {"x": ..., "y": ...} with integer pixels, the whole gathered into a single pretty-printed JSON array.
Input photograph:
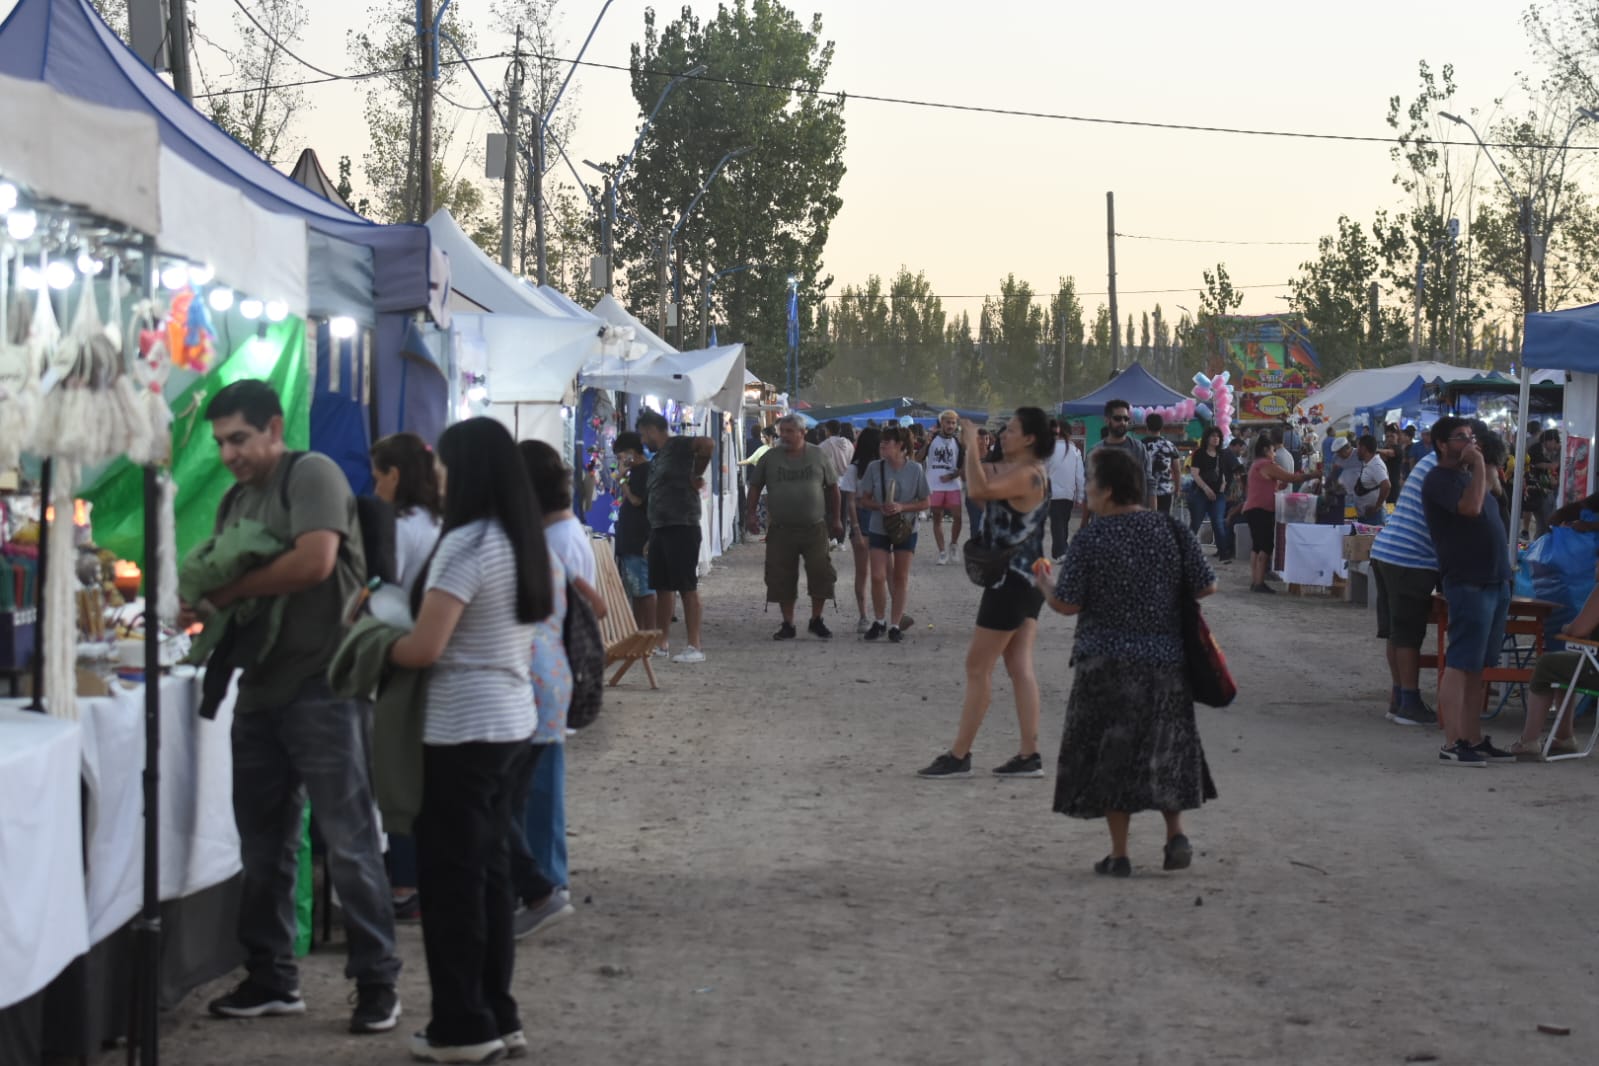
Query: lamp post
[
  {"x": 1528, "y": 299},
  {"x": 666, "y": 245}
]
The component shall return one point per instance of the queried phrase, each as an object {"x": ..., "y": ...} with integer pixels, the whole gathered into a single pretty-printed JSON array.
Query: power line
[
  {"x": 1037, "y": 295},
  {"x": 280, "y": 45},
  {"x": 1199, "y": 240},
  {"x": 346, "y": 77}
]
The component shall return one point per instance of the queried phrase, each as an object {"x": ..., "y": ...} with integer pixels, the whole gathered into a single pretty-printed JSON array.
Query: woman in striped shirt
[{"x": 481, "y": 594}]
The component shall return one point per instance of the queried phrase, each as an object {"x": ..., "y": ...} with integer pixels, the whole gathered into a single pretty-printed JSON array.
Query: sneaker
[
  {"x": 408, "y": 908},
  {"x": 877, "y": 630},
  {"x": 1461, "y": 754},
  {"x": 532, "y": 917},
  {"x": 377, "y": 1009},
  {"x": 906, "y": 621},
  {"x": 863, "y": 625},
  {"x": 689, "y": 655},
  {"x": 250, "y": 1000},
  {"x": 946, "y": 765},
  {"x": 943, "y": 558},
  {"x": 1420, "y": 714},
  {"x": 1530, "y": 750},
  {"x": 424, "y": 1050},
  {"x": 1486, "y": 749},
  {"x": 1022, "y": 766},
  {"x": 786, "y": 631},
  {"x": 660, "y": 653},
  {"x": 895, "y": 636},
  {"x": 818, "y": 629},
  {"x": 515, "y": 1044}
]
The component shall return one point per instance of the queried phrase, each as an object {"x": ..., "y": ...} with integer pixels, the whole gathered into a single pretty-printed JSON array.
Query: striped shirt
[
  {"x": 1405, "y": 539},
  {"x": 479, "y": 690}
]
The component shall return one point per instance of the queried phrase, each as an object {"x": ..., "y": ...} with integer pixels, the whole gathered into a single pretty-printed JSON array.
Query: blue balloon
[
  {"x": 1201, "y": 379},
  {"x": 1203, "y": 411}
]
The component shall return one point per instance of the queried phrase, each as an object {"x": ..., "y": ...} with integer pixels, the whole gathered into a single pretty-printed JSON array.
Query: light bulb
[
  {"x": 202, "y": 274},
  {"x": 250, "y": 309},
  {"x": 341, "y": 328},
  {"x": 88, "y": 265},
  {"x": 477, "y": 394},
  {"x": 276, "y": 310},
  {"x": 30, "y": 278},
  {"x": 21, "y": 224},
  {"x": 220, "y": 299},
  {"x": 8, "y": 196},
  {"x": 59, "y": 274},
  {"x": 175, "y": 277}
]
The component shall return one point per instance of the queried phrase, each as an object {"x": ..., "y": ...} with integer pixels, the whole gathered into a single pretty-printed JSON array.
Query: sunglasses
[{"x": 1121, "y": 418}]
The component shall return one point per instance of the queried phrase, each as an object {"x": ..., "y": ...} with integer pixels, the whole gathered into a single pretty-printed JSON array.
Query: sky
[{"x": 969, "y": 197}]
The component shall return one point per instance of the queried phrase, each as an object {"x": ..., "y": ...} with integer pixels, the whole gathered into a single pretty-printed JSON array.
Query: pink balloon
[{"x": 1202, "y": 393}]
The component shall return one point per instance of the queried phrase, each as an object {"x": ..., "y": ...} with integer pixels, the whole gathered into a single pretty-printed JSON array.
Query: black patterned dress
[{"x": 1131, "y": 742}]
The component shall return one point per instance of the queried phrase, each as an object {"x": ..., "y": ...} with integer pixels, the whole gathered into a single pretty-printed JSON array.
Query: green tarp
[{"x": 118, "y": 494}]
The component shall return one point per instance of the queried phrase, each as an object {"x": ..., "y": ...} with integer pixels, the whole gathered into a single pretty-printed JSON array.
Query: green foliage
[
  {"x": 773, "y": 206},
  {"x": 1013, "y": 329},
  {"x": 889, "y": 343}
]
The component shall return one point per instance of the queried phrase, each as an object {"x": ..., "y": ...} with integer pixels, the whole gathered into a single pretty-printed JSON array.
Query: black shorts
[
  {"x": 1262, "y": 530},
  {"x": 1404, "y": 603},
  {"x": 1007, "y": 607},
  {"x": 675, "y": 558}
]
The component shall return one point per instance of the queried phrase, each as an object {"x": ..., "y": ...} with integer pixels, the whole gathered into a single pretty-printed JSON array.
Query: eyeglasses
[
  {"x": 1121, "y": 418},
  {"x": 1462, "y": 437}
]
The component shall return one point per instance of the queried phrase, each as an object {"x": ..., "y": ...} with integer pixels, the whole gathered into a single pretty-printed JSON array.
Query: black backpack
[
  {"x": 375, "y": 518},
  {"x": 585, "y": 651}
]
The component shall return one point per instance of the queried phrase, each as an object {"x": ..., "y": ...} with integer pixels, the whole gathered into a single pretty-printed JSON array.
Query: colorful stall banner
[{"x": 1576, "y": 468}]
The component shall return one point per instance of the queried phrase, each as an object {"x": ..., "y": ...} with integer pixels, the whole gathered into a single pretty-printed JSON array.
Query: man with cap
[{"x": 1344, "y": 469}]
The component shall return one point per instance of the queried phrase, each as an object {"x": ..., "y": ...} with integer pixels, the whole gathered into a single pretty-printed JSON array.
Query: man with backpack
[{"x": 289, "y": 729}]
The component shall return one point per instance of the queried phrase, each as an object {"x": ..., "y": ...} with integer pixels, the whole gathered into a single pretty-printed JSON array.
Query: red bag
[{"x": 1206, "y": 665}]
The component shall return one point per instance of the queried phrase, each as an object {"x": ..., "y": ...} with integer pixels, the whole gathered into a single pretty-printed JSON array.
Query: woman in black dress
[{"x": 1131, "y": 743}]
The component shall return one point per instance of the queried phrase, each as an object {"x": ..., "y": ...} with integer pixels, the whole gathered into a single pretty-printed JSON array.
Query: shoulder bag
[
  {"x": 585, "y": 652},
  {"x": 898, "y": 528},
  {"x": 1208, "y": 677}
]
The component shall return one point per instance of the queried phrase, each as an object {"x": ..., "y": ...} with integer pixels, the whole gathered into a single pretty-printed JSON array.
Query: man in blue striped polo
[{"x": 1405, "y": 568}]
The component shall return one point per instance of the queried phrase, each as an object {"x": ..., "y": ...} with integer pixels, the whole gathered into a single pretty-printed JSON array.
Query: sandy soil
[{"x": 762, "y": 880}]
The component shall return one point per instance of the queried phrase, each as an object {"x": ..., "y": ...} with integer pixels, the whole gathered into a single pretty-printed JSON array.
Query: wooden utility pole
[
  {"x": 1110, "y": 242},
  {"x": 513, "y": 154},
  {"x": 178, "y": 34},
  {"x": 663, "y": 271},
  {"x": 1060, "y": 334},
  {"x": 425, "y": 163}
]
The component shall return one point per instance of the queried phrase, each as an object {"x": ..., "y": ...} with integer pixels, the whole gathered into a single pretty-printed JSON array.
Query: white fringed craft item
[
  {"x": 19, "y": 379},
  {"x": 60, "y": 607},
  {"x": 166, "y": 607}
]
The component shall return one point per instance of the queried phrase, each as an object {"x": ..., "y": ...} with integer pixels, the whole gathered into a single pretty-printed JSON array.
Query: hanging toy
[{"x": 188, "y": 335}]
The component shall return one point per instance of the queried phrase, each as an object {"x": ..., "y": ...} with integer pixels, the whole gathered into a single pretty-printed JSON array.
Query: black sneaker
[
  {"x": 894, "y": 635},
  {"x": 876, "y": 632},
  {"x": 1461, "y": 754},
  {"x": 818, "y": 629},
  {"x": 786, "y": 631},
  {"x": 1022, "y": 766},
  {"x": 1492, "y": 754},
  {"x": 377, "y": 1009},
  {"x": 946, "y": 765},
  {"x": 250, "y": 1000},
  {"x": 1113, "y": 867},
  {"x": 1418, "y": 714},
  {"x": 408, "y": 908}
]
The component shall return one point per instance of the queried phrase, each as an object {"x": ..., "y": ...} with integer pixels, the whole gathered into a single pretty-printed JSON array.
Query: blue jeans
[
  {"x": 974, "y": 512},
  {"x": 1199, "y": 508},
  {"x": 544, "y": 819},
  {"x": 1476, "y": 624}
]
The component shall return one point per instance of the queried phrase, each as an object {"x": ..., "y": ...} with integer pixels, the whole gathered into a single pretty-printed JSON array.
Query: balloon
[
  {"x": 1201, "y": 379},
  {"x": 1224, "y": 376},
  {"x": 1203, "y": 411},
  {"x": 1138, "y": 414},
  {"x": 1202, "y": 392}
]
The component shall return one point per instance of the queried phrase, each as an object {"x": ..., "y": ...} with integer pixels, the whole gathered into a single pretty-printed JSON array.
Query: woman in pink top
[{"x": 1260, "y": 509}]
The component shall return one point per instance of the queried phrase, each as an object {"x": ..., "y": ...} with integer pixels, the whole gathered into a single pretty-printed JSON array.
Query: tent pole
[
  {"x": 147, "y": 927},
  {"x": 45, "y": 477},
  {"x": 1519, "y": 482}
]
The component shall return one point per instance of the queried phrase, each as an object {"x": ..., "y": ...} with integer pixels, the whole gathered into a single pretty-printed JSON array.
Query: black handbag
[
  {"x": 585, "y": 652},
  {"x": 986, "y": 565}
]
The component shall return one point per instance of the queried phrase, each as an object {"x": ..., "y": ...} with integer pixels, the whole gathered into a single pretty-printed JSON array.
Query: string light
[
  {"x": 219, "y": 299},
  {"x": 30, "y": 278},
  {"x": 88, "y": 265},
  {"x": 175, "y": 277},
  {"x": 58, "y": 274},
  {"x": 21, "y": 224},
  {"x": 202, "y": 274},
  {"x": 341, "y": 327},
  {"x": 276, "y": 310},
  {"x": 251, "y": 309},
  {"x": 8, "y": 196}
]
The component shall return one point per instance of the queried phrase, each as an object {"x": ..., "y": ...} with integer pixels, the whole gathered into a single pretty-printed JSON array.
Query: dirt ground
[{"x": 761, "y": 878}]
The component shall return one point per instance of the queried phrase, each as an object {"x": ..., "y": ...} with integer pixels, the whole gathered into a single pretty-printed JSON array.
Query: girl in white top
[{"x": 405, "y": 476}]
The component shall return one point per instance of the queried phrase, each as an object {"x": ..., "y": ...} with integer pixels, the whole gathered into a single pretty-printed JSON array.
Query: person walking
[
  {"x": 944, "y": 458},
  {"x": 1260, "y": 509},
  {"x": 677, "y": 474},
  {"x": 1163, "y": 462},
  {"x": 849, "y": 491},
  {"x": 1404, "y": 567},
  {"x": 1372, "y": 487},
  {"x": 1118, "y": 420},
  {"x": 1207, "y": 494},
  {"x": 1131, "y": 742},
  {"x": 292, "y": 738},
  {"x": 974, "y": 509},
  {"x": 633, "y": 527},
  {"x": 481, "y": 595},
  {"x": 802, "y": 502},
  {"x": 1065, "y": 487},
  {"x": 1017, "y": 494},
  {"x": 892, "y": 485}
]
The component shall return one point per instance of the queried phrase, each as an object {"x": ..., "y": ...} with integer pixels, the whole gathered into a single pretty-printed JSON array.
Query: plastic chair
[{"x": 1589, "y": 659}]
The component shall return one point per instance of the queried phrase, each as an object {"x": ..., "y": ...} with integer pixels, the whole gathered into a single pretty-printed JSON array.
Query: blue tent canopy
[
  {"x": 1563, "y": 340},
  {"x": 1407, "y": 399},
  {"x": 1136, "y": 385},
  {"x": 371, "y": 271}
]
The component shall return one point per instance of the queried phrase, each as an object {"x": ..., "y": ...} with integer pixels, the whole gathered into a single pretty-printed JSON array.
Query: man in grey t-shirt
[
  {"x": 677, "y": 474},
  {"x": 1118, "y": 420}
]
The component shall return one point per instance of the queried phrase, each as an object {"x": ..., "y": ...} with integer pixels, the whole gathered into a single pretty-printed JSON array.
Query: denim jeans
[
  {"x": 974, "y": 512},
  {"x": 1060, "y": 518},
  {"x": 317, "y": 746},
  {"x": 545, "y": 818},
  {"x": 528, "y": 878},
  {"x": 463, "y": 866},
  {"x": 1199, "y": 508}
]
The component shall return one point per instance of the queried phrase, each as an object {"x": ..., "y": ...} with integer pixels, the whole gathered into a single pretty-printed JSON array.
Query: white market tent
[
  {"x": 147, "y": 187},
  {"x": 1347, "y": 393}
]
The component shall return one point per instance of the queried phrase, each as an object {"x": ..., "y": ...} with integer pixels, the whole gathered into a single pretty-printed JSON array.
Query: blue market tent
[
  {"x": 1408, "y": 400},
  {"x": 1136, "y": 385},
  {"x": 1563, "y": 340},
  {"x": 378, "y": 275},
  {"x": 894, "y": 407}
]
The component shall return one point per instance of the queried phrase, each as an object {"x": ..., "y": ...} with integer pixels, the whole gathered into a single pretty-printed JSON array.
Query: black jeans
[
  {"x": 464, "y": 878},
  {"x": 529, "y": 882},
  {"x": 1060, "y": 517},
  {"x": 319, "y": 746}
]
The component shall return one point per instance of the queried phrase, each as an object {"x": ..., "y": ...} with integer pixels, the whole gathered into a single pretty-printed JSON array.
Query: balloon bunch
[
  {"x": 1219, "y": 392},
  {"x": 1178, "y": 412}
]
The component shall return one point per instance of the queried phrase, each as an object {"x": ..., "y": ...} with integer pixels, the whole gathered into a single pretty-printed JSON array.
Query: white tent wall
[{"x": 533, "y": 421}]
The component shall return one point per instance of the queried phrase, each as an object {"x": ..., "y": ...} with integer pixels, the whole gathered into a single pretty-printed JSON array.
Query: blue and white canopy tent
[
  {"x": 1136, "y": 385},
  {"x": 1566, "y": 340}
]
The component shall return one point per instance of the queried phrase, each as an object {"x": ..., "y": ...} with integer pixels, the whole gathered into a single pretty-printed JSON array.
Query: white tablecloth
[
  {"x": 43, "y": 919},
  {"x": 1313, "y": 555}
]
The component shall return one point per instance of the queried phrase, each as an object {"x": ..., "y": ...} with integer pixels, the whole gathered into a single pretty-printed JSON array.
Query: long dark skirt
[{"x": 1131, "y": 743}]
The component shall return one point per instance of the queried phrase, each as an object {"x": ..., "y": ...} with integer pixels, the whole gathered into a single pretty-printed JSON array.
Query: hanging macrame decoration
[{"x": 19, "y": 379}]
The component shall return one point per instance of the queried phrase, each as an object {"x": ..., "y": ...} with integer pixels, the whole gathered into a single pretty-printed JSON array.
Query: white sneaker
[
  {"x": 863, "y": 625},
  {"x": 689, "y": 655},
  {"x": 660, "y": 653},
  {"x": 943, "y": 558},
  {"x": 488, "y": 1051}
]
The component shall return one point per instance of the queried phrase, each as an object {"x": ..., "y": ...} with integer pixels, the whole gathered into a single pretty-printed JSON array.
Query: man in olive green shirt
[
  {"x": 289, "y": 730},
  {"x": 802, "y": 512}
]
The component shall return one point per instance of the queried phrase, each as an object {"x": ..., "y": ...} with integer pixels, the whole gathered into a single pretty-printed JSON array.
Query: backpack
[
  {"x": 585, "y": 652},
  {"x": 375, "y": 523}
]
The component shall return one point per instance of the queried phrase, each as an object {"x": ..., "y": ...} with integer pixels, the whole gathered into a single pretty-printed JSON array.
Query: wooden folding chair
[
  {"x": 1589, "y": 650},
  {"x": 625, "y": 643}
]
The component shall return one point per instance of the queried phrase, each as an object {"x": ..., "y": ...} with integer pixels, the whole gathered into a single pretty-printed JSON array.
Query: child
[{"x": 633, "y": 526}]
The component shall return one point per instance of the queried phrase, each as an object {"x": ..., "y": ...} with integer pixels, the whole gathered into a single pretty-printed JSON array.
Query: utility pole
[
  {"x": 1060, "y": 333},
  {"x": 537, "y": 192},
  {"x": 606, "y": 226},
  {"x": 424, "y": 33},
  {"x": 178, "y": 33},
  {"x": 662, "y": 271},
  {"x": 705, "y": 305},
  {"x": 1415, "y": 321},
  {"x": 513, "y": 152},
  {"x": 1110, "y": 242},
  {"x": 1375, "y": 315}
]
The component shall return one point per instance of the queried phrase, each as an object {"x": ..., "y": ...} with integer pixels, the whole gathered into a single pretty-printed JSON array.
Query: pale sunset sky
[{"x": 971, "y": 197}]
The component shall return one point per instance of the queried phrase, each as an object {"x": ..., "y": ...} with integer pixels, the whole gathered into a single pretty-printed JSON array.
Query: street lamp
[
  {"x": 666, "y": 247},
  {"x": 1527, "y": 298}
]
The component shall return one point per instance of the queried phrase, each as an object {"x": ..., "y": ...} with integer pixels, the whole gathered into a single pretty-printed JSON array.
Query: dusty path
[{"x": 764, "y": 881}]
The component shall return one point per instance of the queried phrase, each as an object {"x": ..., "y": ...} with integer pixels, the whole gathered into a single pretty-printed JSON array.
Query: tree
[
  {"x": 115, "y": 15},
  {"x": 1332, "y": 293},
  {"x": 1218, "y": 296},
  {"x": 971, "y": 383},
  {"x": 259, "y": 117},
  {"x": 772, "y": 207},
  {"x": 1066, "y": 336},
  {"x": 1015, "y": 326}
]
